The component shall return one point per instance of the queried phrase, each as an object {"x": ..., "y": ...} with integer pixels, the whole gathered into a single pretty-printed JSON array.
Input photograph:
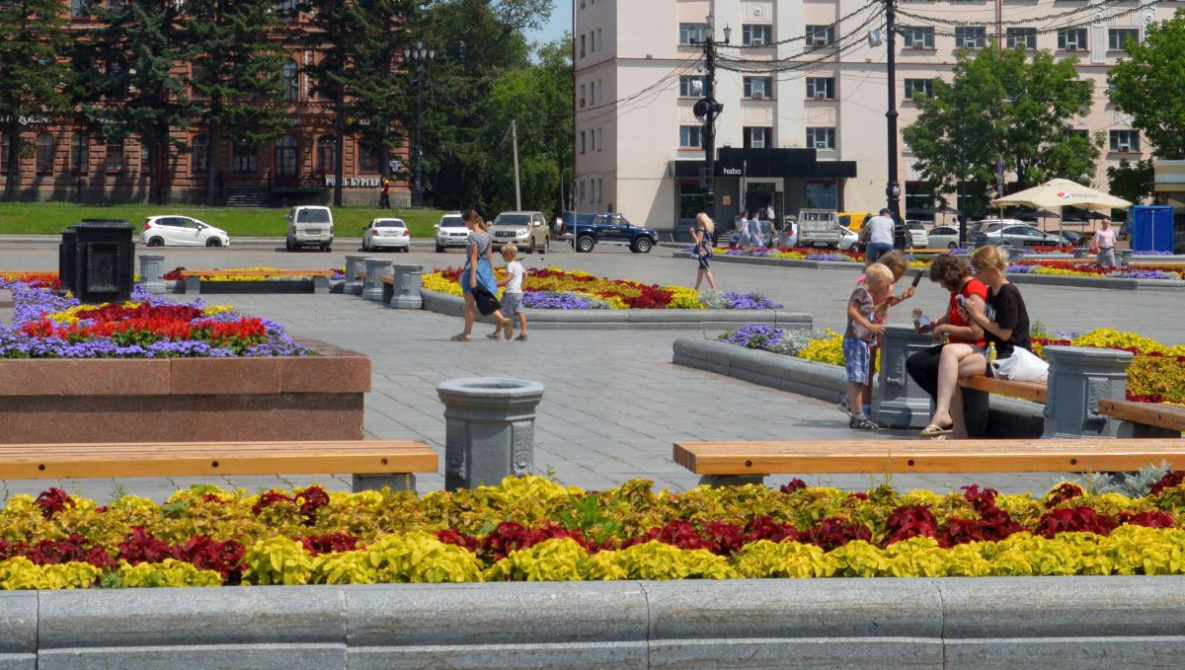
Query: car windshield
[
  {"x": 451, "y": 222},
  {"x": 313, "y": 216},
  {"x": 390, "y": 223},
  {"x": 512, "y": 220},
  {"x": 914, "y": 225}
]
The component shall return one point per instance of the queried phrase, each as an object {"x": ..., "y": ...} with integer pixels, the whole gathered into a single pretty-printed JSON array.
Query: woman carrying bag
[{"x": 478, "y": 286}]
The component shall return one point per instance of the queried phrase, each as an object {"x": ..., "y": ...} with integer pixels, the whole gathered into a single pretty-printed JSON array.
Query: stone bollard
[
  {"x": 1078, "y": 378},
  {"x": 1125, "y": 257},
  {"x": 406, "y": 293},
  {"x": 373, "y": 290},
  {"x": 1015, "y": 254},
  {"x": 489, "y": 429},
  {"x": 152, "y": 272},
  {"x": 901, "y": 403},
  {"x": 1080, "y": 252},
  {"x": 354, "y": 263}
]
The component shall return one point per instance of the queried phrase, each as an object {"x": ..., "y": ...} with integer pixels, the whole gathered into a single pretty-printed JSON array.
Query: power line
[{"x": 799, "y": 38}]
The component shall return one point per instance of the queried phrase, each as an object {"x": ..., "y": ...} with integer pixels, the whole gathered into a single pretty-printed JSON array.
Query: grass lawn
[{"x": 50, "y": 218}]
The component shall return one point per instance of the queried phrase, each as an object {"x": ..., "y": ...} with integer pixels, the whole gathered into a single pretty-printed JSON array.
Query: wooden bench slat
[
  {"x": 931, "y": 456},
  {"x": 1026, "y": 390},
  {"x": 253, "y": 273},
  {"x": 1171, "y": 417}
]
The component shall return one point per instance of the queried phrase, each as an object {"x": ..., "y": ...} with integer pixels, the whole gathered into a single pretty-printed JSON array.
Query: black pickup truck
[{"x": 594, "y": 229}]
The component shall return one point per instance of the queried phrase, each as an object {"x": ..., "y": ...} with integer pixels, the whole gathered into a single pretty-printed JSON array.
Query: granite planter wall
[{"x": 185, "y": 399}]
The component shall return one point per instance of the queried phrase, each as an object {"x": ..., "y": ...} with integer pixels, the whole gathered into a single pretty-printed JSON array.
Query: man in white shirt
[
  {"x": 879, "y": 236},
  {"x": 1104, "y": 240}
]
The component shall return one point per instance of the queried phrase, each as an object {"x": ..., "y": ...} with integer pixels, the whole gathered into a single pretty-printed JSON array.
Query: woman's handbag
[
  {"x": 487, "y": 303},
  {"x": 1022, "y": 366}
]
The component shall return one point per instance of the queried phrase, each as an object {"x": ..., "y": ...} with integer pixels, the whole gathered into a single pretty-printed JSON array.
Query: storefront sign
[
  {"x": 731, "y": 171},
  {"x": 354, "y": 182}
]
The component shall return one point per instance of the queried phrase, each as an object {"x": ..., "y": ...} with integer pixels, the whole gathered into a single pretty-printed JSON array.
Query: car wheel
[
  {"x": 533, "y": 248},
  {"x": 213, "y": 242},
  {"x": 585, "y": 244},
  {"x": 953, "y": 245},
  {"x": 365, "y": 244},
  {"x": 439, "y": 249},
  {"x": 642, "y": 245},
  {"x": 156, "y": 242},
  {"x": 327, "y": 248},
  {"x": 288, "y": 244}
]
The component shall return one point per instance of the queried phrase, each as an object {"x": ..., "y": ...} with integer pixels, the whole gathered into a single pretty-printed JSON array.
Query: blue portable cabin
[{"x": 1152, "y": 228}]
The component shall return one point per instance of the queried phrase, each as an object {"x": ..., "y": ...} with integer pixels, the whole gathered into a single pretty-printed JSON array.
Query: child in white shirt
[{"x": 512, "y": 297}]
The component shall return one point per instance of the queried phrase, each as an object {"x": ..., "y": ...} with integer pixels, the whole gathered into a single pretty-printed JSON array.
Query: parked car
[
  {"x": 386, "y": 234},
  {"x": 943, "y": 237},
  {"x": 1014, "y": 236},
  {"x": 919, "y": 238},
  {"x": 1074, "y": 238},
  {"x": 181, "y": 231},
  {"x": 527, "y": 230},
  {"x": 847, "y": 238},
  {"x": 309, "y": 226},
  {"x": 451, "y": 232},
  {"x": 613, "y": 229},
  {"x": 853, "y": 221}
]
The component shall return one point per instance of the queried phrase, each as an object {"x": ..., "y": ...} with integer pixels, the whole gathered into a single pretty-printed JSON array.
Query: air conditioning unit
[
  {"x": 819, "y": 40},
  {"x": 758, "y": 95},
  {"x": 820, "y": 144},
  {"x": 820, "y": 95},
  {"x": 1123, "y": 145},
  {"x": 757, "y": 42}
]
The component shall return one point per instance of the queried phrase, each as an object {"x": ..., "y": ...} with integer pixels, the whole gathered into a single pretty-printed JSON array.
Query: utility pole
[
  {"x": 706, "y": 110},
  {"x": 518, "y": 191},
  {"x": 893, "y": 189},
  {"x": 417, "y": 58}
]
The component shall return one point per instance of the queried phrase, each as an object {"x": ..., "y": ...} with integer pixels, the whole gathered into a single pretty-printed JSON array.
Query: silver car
[
  {"x": 451, "y": 232},
  {"x": 1014, "y": 236},
  {"x": 944, "y": 237},
  {"x": 527, "y": 230}
]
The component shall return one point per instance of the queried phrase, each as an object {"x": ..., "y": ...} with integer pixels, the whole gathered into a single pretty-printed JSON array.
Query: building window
[
  {"x": 820, "y": 36},
  {"x": 600, "y": 40},
  {"x": 1073, "y": 39},
  {"x": 693, "y": 33},
  {"x": 291, "y": 75},
  {"x": 199, "y": 78},
  {"x": 919, "y": 201},
  {"x": 759, "y": 138},
  {"x": 368, "y": 159},
  {"x": 243, "y": 161},
  {"x": 914, "y": 37},
  {"x": 822, "y": 195},
  {"x": 582, "y": 46},
  {"x": 692, "y": 86},
  {"x": 80, "y": 153},
  {"x": 592, "y": 41},
  {"x": 77, "y": 7},
  {"x": 581, "y": 96},
  {"x": 201, "y": 145},
  {"x": 1125, "y": 140},
  {"x": 691, "y": 137},
  {"x": 114, "y": 160},
  {"x": 4, "y": 154},
  {"x": 327, "y": 155},
  {"x": 756, "y": 35},
  {"x": 44, "y": 159},
  {"x": 970, "y": 37},
  {"x": 820, "y": 88},
  {"x": 919, "y": 87},
  {"x": 1117, "y": 38},
  {"x": 582, "y": 147},
  {"x": 759, "y": 88},
  {"x": 820, "y": 138},
  {"x": 286, "y": 8},
  {"x": 1021, "y": 37},
  {"x": 115, "y": 5}
]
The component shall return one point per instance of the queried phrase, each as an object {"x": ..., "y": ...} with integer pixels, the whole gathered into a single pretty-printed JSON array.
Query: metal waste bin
[
  {"x": 103, "y": 264},
  {"x": 66, "y": 251}
]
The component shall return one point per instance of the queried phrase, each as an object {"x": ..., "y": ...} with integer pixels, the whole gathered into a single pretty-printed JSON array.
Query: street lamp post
[
  {"x": 893, "y": 189},
  {"x": 416, "y": 59},
  {"x": 706, "y": 110}
]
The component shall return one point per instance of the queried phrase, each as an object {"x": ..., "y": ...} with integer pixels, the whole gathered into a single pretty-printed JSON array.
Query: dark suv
[{"x": 594, "y": 229}]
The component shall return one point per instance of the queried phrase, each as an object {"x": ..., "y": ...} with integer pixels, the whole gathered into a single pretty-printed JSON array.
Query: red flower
[
  {"x": 141, "y": 547},
  {"x": 53, "y": 501},
  {"x": 207, "y": 554},
  {"x": 910, "y": 521},
  {"x": 1062, "y": 493},
  {"x": 1170, "y": 480},
  {"x": 329, "y": 543},
  {"x": 1074, "y": 519},
  {"x": 834, "y": 532}
]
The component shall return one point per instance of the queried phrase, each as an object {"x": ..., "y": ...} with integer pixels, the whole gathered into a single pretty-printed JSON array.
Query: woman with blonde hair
[
  {"x": 477, "y": 269},
  {"x": 701, "y": 234}
]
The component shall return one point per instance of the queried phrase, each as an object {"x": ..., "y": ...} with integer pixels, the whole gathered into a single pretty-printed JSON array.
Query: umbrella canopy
[
  {"x": 1046, "y": 214},
  {"x": 946, "y": 209},
  {"x": 1062, "y": 193}
]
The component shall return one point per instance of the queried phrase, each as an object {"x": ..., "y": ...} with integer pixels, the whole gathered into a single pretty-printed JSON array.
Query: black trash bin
[
  {"x": 103, "y": 261},
  {"x": 67, "y": 249}
]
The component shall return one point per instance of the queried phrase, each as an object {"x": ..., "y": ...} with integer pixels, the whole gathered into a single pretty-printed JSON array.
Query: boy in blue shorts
[{"x": 860, "y": 337}]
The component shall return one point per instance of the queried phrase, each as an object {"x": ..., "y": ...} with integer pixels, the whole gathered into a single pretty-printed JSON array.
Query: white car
[
  {"x": 920, "y": 239},
  {"x": 181, "y": 231},
  {"x": 944, "y": 237},
  {"x": 847, "y": 238},
  {"x": 451, "y": 232},
  {"x": 386, "y": 234}
]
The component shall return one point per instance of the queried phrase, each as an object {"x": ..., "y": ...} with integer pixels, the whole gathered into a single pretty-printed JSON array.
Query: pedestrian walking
[
  {"x": 512, "y": 296},
  {"x": 477, "y": 271},
  {"x": 878, "y": 232},
  {"x": 1104, "y": 243},
  {"x": 701, "y": 234},
  {"x": 756, "y": 238},
  {"x": 385, "y": 195}
]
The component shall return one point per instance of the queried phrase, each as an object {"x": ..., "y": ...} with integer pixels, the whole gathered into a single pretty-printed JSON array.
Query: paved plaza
[{"x": 614, "y": 403}]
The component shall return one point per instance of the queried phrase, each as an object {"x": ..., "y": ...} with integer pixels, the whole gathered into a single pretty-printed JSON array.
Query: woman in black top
[{"x": 1005, "y": 322}]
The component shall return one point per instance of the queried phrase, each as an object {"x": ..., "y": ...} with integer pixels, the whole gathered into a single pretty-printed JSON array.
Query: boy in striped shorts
[{"x": 860, "y": 337}]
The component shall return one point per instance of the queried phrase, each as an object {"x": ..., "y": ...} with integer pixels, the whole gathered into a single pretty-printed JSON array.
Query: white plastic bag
[{"x": 1022, "y": 366}]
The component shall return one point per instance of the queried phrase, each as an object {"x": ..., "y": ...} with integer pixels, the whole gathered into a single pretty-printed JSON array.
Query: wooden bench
[
  {"x": 757, "y": 459},
  {"x": 373, "y": 463},
  {"x": 1025, "y": 390},
  {"x": 1145, "y": 419},
  {"x": 927, "y": 251},
  {"x": 193, "y": 278}
]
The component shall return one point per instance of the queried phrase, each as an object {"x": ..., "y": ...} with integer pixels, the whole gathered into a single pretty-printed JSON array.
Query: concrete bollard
[
  {"x": 489, "y": 429},
  {"x": 1125, "y": 257},
  {"x": 1078, "y": 378},
  {"x": 354, "y": 263},
  {"x": 901, "y": 403},
  {"x": 373, "y": 289},
  {"x": 1081, "y": 253},
  {"x": 152, "y": 272},
  {"x": 406, "y": 293},
  {"x": 1015, "y": 254}
]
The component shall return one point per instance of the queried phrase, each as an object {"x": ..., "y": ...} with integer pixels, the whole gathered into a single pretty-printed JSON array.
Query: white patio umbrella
[{"x": 1062, "y": 193}]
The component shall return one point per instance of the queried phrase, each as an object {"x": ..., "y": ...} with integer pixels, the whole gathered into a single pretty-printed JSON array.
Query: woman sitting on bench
[{"x": 1005, "y": 324}]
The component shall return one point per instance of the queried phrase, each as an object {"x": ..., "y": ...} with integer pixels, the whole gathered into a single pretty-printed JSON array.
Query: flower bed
[
  {"x": 1069, "y": 269},
  {"x": 553, "y": 288},
  {"x": 530, "y": 529},
  {"x": 48, "y": 324},
  {"x": 264, "y": 275}
]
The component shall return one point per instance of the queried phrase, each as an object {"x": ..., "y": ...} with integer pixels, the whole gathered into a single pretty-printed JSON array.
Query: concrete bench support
[
  {"x": 489, "y": 429},
  {"x": 375, "y": 267},
  {"x": 152, "y": 272},
  {"x": 901, "y": 403},
  {"x": 406, "y": 287},
  {"x": 1078, "y": 378},
  {"x": 320, "y": 284},
  {"x": 354, "y": 263}
]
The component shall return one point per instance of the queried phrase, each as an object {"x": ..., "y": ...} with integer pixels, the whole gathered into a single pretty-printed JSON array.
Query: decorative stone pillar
[
  {"x": 354, "y": 263},
  {"x": 901, "y": 403},
  {"x": 373, "y": 289},
  {"x": 1081, "y": 252},
  {"x": 152, "y": 272},
  {"x": 1078, "y": 378},
  {"x": 1015, "y": 254},
  {"x": 1125, "y": 257},
  {"x": 406, "y": 293},
  {"x": 489, "y": 429}
]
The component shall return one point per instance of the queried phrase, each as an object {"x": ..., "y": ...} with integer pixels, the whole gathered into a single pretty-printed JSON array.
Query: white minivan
[{"x": 309, "y": 226}]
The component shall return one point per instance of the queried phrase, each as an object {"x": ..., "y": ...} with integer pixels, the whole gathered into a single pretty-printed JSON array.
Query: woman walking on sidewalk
[
  {"x": 477, "y": 270},
  {"x": 701, "y": 234}
]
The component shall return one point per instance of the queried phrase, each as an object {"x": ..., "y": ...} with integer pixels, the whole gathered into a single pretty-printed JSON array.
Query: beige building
[{"x": 809, "y": 127}]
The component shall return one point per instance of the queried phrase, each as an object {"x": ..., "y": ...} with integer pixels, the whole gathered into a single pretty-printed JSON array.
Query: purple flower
[{"x": 751, "y": 301}]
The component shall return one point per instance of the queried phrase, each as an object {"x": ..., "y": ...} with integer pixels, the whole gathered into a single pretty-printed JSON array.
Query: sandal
[
  {"x": 521, "y": 337},
  {"x": 508, "y": 327},
  {"x": 934, "y": 430},
  {"x": 461, "y": 337},
  {"x": 494, "y": 335}
]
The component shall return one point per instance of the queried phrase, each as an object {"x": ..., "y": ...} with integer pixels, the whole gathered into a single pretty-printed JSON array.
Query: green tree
[
  {"x": 1000, "y": 104},
  {"x": 128, "y": 84},
  {"x": 1132, "y": 181},
  {"x": 33, "y": 78},
  {"x": 235, "y": 70},
  {"x": 1149, "y": 85}
]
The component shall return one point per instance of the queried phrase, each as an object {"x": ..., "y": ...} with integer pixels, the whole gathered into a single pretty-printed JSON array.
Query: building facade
[
  {"x": 66, "y": 163},
  {"x": 813, "y": 133}
]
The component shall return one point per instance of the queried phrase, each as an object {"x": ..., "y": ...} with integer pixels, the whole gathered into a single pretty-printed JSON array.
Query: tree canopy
[{"x": 1149, "y": 85}]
